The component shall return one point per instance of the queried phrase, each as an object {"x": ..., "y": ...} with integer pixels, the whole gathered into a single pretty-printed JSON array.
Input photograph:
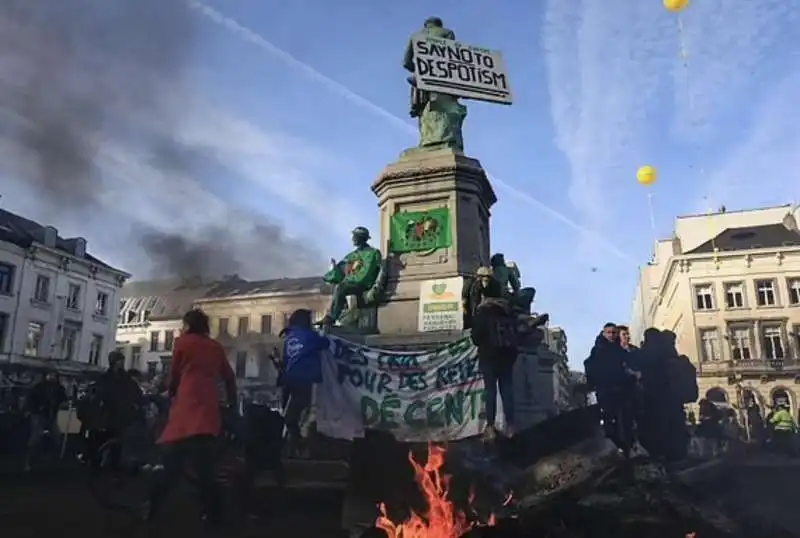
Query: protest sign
[
  {"x": 436, "y": 396},
  {"x": 454, "y": 68}
]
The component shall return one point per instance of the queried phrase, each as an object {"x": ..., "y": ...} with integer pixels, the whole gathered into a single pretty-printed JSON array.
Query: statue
[
  {"x": 440, "y": 115},
  {"x": 360, "y": 274}
]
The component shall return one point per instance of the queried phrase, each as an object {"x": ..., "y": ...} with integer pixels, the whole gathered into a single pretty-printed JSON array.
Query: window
[
  {"x": 241, "y": 363},
  {"x": 765, "y": 292},
  {"x": 3, "y": 329},
  {"x": 154, "y": 335},
  {"x": 95, "y": 349},
  {"x": 7, "y": 278},
  {"x": 41, "y": 292},
  {"x": 794, "y": 291},
  {"x": 152, "y": 369},
  {"x": 244, "y": 326},
  {"x": 136, "y": 354},
  {"x": 70, "y": 341},
  {"x": 709, "y": 342},
  {"x": 74, "y": 297},
  {"x": 101, "y": 304},
  {"x": 741, "y": 347},
  {"x": 772, "y": 340},
  {"x": 169, "y": 340},
  {"x": 704, "y": 297},
  {"x": 266, "y": 324},
  {"x": 223, "y": 326},
  {"x": 33, "y": 340},
  {"x": 734, "y": 295}
]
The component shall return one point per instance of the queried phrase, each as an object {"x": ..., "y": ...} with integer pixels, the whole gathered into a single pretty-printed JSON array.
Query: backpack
[{"x": 683, "y": 379}]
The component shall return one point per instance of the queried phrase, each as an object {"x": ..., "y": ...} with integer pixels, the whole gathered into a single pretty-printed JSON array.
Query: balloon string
[{"x": 682, "y": 43}]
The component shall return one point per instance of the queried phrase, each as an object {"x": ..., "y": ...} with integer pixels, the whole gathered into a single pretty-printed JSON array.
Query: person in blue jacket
[{"x": 302, "y": 369}]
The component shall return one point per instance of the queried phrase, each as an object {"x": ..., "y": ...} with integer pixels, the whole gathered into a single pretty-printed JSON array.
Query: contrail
[{"x": 348, "y": 94}]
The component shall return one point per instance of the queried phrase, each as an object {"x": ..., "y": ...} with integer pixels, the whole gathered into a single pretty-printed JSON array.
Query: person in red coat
[{"x": 195, "y": 422}]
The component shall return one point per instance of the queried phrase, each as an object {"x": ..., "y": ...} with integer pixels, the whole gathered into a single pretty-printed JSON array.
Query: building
[
  {"x": 247, "y": 317},
  {"x": 57, "y": 301},
  {"x": 150, "y": 314},
  {"x": 556, "y": 344},
  {"x": 728, "y": 285}
]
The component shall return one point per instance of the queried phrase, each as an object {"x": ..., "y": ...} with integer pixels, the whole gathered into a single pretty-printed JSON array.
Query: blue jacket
[{"x": 302, "y": 350}]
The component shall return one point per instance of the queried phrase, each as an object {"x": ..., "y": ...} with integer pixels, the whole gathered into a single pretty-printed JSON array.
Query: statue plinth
[{"x": 422, "y": 181}]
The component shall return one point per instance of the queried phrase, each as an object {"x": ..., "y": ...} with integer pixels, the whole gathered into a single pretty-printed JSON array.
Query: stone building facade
[{"x": 728, "y": 285}]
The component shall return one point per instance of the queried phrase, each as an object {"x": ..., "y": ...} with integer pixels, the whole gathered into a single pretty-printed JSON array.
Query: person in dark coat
[
  {"x": 42, "y": 404},
  {"x": 494, "y": 334},
  {"x": 475, "y": 290},
  {"x": 607, "y": 375}
]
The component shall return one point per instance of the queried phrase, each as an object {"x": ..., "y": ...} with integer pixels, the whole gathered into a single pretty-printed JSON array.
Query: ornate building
[
  {"x": 728, "y": 285},
  {"x": 58, "y": 303}
]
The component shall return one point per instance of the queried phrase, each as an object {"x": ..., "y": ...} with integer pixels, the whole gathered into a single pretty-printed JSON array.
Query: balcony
[{"x": 750, "y": 367}]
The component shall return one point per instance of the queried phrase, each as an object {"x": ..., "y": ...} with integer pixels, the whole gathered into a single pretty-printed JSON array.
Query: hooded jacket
[
  {"x": 605, "y": 367},
  {"x": 494, "y": 333},
  {"x": 302, "y": 348}
]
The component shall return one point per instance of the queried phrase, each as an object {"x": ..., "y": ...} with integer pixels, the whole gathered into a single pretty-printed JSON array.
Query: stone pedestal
[{"x": 421, "y": 181}]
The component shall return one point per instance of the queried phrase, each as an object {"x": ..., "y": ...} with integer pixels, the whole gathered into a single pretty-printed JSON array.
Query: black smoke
[{"x": 82, "y": 79}]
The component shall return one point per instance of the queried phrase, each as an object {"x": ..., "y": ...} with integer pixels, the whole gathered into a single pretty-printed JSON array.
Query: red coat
[{"x": 198, "y": 363}]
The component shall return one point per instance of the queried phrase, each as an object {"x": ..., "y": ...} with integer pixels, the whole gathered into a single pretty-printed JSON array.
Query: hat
[{"x": 483, "y": 272}]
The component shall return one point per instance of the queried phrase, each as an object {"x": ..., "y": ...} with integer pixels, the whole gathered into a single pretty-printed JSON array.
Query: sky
[{"x": 296, "y": 106}]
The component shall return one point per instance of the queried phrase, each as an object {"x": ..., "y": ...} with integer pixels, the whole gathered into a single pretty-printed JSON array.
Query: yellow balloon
[
  {"x": 646, "y": 175},
  {"x": 676, "y": 5}
]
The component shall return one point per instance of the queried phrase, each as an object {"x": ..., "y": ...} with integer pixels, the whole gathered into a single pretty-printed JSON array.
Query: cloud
[
  {"x": 762, "y": 169},
  {"x": 605, "y": 62},
  {"x": 291, "y": 61},
  {"x": 617, "y": 81}
]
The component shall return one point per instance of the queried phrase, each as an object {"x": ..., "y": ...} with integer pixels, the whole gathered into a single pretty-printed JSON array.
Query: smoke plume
[{"x": 80, "y": 76}]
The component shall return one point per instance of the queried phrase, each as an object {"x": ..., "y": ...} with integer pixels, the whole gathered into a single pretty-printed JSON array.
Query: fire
[{"x": 441, "y": 519}]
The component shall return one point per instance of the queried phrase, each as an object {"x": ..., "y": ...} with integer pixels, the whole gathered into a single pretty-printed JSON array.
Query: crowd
[{"x": 643, "y": 394}]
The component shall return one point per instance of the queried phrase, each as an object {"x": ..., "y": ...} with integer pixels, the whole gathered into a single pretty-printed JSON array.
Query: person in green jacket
[{"x": 784, "y": 429}]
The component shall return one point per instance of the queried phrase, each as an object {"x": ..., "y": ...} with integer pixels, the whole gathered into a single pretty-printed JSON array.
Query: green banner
[{"x": 414, "y": 231}]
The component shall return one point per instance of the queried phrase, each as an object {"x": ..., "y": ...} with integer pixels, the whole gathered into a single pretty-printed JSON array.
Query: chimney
[
  {"x": 50, "y": 236},
  {"x": 80, "y": 247}
]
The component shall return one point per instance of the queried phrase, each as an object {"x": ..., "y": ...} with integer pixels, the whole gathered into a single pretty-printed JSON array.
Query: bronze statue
[
  {"x": 361, "y": 274},
  {"x": 440, "y": 115}
]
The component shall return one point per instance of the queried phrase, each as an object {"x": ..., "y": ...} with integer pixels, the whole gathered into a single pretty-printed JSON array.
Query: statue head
[
  {"x": 433, "y": 22},
  {"x": 360, "y": 236},
  {"x": 498, "y": 260}
]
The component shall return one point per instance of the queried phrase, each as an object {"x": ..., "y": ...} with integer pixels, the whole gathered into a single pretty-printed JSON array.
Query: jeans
[
  {"x": 199, "y": 454},
  {"x": 298, "y": 402},
  {"x": 495, "y": 378}
]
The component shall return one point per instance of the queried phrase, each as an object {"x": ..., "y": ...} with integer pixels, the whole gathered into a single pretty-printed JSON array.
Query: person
[
  {"x": 607, "y": 374},
  {"x": 195, "y": 419},
  {"x": 302, "y": 370},
  {"x": 710, "y": 430},
  {"x": 42, "y": 404},
  {"x": 494, "y": 334},
  {"x": 474, "y": 291},
  {"x": 624, "y": 335},
  {"x": 783, "y": 429}
]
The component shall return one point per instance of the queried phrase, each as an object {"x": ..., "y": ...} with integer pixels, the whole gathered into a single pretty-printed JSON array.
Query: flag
[{"x": 415, "y": 231}]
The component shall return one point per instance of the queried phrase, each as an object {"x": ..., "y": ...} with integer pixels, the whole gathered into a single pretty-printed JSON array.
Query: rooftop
[
  {"x": 239, "y": 287},
  {"x": 25, "y": 232},
  {"x": 164, "y": 299},
  {"x": 750, "y": 237}
]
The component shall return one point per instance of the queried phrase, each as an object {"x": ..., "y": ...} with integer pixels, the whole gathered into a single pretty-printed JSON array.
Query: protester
[
  {"x": 710, "y": 430},
  {"x": 302, "y": 370},
  {"x": 494, "y": 333},
  {"x": 783, "y": 430},
  {"x": 475, "y": 289},
  {"x": 607, "y": 373},
  {"x": 42, "y": 403},
  {"x": 195, "y": 421},
  {"x": 624, "y": 335}
]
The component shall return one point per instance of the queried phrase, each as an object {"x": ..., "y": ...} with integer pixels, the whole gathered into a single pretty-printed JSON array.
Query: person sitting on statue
[
  {"x": 302, "y": 370},
  {"x": 504, "y": 274},
  {"x": 353, "y": 275},
  {"x": 494, "y": 333},
  {"x": 474, "y": 291}
]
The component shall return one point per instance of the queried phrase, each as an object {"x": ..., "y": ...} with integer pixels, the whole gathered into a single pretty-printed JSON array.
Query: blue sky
[{"x": 302, "y": 103}]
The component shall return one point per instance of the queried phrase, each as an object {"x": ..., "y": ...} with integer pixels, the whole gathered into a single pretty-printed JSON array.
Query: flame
[{"x": 441, "y": 518}]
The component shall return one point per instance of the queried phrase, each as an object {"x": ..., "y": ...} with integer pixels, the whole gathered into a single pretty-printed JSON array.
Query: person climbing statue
[{"x": 494, "y": 333}]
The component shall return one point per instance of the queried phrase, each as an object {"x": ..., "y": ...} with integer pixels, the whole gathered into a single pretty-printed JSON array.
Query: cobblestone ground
[{"x": 43, "y": 506}]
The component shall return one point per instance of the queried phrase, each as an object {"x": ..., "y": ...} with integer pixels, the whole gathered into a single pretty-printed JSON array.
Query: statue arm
[
  {"x": 408, "y": 58},
  {"x": 335, "y": 274}
]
